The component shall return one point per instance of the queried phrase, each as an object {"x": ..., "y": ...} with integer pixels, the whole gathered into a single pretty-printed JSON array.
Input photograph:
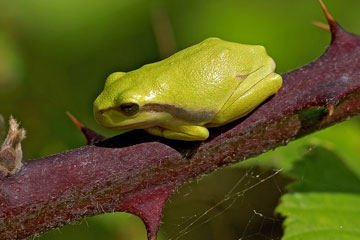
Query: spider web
[{"x": 234, "y": 203}]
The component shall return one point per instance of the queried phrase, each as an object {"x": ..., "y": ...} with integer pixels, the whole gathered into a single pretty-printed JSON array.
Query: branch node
[{"x": 10, "y": 151}]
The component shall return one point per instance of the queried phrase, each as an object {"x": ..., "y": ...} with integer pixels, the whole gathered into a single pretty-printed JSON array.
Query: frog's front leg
[
  {"x": 253, "y": 90},
  {"x": 185, "y": 133}
]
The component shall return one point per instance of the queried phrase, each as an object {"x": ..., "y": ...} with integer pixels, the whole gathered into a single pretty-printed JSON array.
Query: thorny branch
[{"x": 136, "y": 172}]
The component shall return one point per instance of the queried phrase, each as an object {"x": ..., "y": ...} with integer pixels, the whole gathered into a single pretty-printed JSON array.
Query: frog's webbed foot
[{"x": 185, "y": 133}]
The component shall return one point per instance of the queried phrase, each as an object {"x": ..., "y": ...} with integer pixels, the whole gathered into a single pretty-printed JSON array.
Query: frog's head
[{"x": 121, "y": 105}]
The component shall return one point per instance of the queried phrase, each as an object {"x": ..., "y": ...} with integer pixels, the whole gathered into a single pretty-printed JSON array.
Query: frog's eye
[{"x": 129, "y": 109}]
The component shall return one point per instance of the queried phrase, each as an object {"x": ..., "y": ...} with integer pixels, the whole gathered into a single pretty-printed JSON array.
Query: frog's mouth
[{"x": 113, "y": 119}]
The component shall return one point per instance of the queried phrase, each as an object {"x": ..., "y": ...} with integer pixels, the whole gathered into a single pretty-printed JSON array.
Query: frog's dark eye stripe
[
  {"x": 180, "y": 112},
  {"x": 129, "y": 109}
]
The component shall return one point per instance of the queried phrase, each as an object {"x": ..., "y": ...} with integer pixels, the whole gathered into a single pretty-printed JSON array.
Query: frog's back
[{"x": 205, "y": 74}]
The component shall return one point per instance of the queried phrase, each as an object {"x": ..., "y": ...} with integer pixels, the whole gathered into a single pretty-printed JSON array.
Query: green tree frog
[{"x": 206, "y": 85}]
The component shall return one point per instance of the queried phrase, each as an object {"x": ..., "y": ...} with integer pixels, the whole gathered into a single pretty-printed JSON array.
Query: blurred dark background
[{"x": 55, "y": 56}]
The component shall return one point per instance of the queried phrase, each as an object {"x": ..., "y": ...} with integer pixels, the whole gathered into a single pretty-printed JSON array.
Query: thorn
[
  {"x": 91, "y": 136},
  {"x": 321, "y": 25},
  {"x": 329, "y": 17},
  {"x": 148, "y": 205},
  {"x": 77, "y": 123},
  {"x": 152, "y": 237},
  {"x": 330, "y": 108}
]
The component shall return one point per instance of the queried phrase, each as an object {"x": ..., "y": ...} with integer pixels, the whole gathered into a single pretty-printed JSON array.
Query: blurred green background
[{"x": 55, "y": 56}]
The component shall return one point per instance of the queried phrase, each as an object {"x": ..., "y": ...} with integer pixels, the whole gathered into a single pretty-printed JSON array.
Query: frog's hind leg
[
  {"x": 253, "y": 90},
  {"x": 185, "y": 133}
]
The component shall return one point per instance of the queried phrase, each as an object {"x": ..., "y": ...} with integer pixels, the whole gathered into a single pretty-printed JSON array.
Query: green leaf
[
  {"x": 343, "y": 139},
  {"x": 324, "y": 201}
]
